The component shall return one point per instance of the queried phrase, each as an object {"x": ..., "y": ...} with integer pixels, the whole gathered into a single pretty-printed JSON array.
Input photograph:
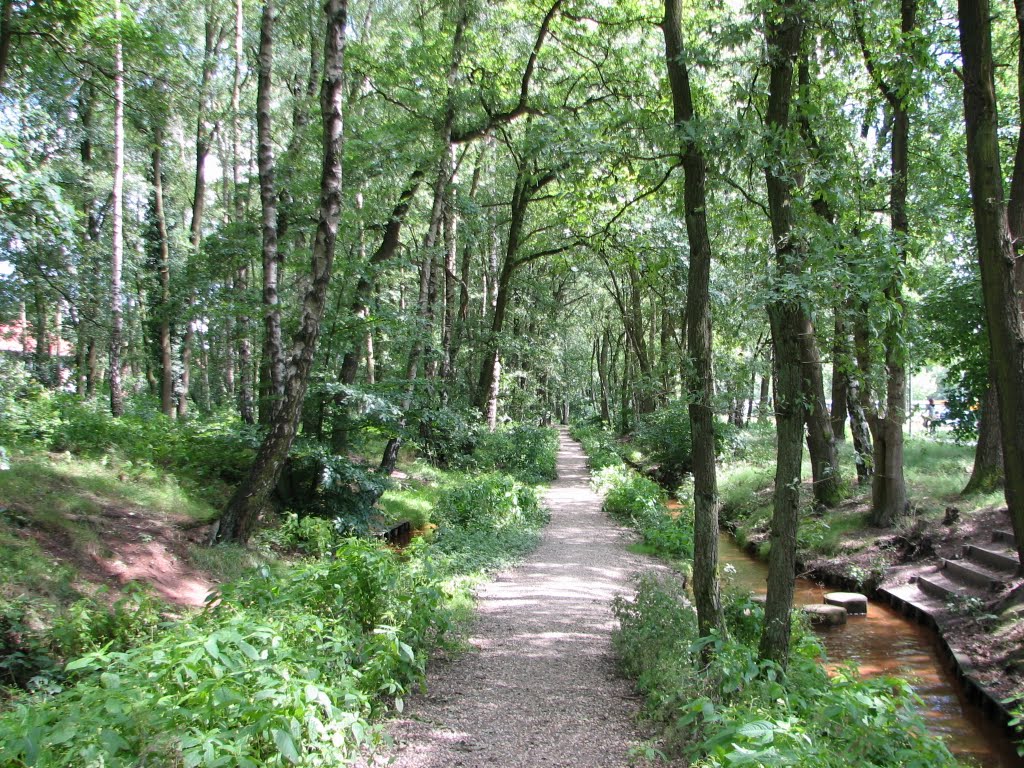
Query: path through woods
[{"x": 540, "y": 686}]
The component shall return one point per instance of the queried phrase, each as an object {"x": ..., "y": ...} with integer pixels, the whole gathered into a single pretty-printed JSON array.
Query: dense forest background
[
  {"x": 407, "y": 220},
  {"x": 284, "y": 247}
]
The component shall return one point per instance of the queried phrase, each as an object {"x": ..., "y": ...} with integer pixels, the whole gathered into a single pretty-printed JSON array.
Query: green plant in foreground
[
  {"x": 280, "y": 670},
  {"x": 742, "y": 711}
]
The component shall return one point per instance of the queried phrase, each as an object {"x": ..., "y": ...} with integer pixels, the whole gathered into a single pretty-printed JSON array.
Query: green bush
[
  {"x": 526, "y": 452},
  {"x": 89, "y": 625},
  {"x": 600, "y": 445},
  {"x": 488, "y": 502},
  {"x": 628, "y": 494},
  {"x": 278, "y": 671},
  {"x": 487, "y": 522},
  {"x": 742, "y": 710},
  {"x": 24, "y": 655},
  {"x": 665, "y": 439},
  {"x": 447, "y": 436},
  {"x": 28, "y": 411},
  {"x": 639, "y": 502},
  {"x": 315, "y": 536}
]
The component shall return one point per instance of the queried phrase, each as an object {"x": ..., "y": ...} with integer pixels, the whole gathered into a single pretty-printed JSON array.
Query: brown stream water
[{"x": 887, "y": 643}]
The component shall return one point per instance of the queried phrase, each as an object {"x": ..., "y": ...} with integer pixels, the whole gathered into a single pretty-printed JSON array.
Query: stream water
[{"x": 887, "y": 643}]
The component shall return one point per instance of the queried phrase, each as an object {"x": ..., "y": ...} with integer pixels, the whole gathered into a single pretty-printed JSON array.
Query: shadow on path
[{"x": 540, "y": 687}]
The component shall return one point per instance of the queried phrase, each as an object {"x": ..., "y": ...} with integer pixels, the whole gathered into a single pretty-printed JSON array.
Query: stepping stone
[
  {"x": 828, "y": 615},
  {"x": 853, "y": 602}
]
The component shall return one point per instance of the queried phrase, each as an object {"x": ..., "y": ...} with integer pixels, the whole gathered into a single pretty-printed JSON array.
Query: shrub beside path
[{"x": 539, "y": 686}]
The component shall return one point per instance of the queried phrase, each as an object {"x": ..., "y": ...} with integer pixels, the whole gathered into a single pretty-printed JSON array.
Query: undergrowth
[{"x": 744, "y": 711}]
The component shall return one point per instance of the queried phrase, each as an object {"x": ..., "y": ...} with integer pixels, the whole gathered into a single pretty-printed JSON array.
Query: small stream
[{"x": 887, "y": 643}]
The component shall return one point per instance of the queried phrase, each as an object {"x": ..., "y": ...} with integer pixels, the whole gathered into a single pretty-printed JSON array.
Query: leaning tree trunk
[
  {"x": 240, "y": 516},
  {"x": 710, "y": 616},
  {"x": 995, "y": 247},
  {"x": 987, "y": 473},
  {"x": 424, "y": 312},
  {"x": 788, "y": 322}
]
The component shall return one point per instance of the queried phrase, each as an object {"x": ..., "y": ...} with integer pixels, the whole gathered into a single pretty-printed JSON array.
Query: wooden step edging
[
  {"x": 959, "y": 570},
  {"x": 955, "y": 661},
  {"x": 991, "y": 558}
]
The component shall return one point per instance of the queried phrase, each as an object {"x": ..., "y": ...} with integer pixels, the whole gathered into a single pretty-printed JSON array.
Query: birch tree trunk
[
  {"x": 242, "y": 512},
  {"x": 273, "y": 346},
  {"x": 117, "y": 220}
]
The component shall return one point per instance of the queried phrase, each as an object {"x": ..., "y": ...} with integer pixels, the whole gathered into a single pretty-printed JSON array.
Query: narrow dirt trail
[{"x": 539, "y": 687}]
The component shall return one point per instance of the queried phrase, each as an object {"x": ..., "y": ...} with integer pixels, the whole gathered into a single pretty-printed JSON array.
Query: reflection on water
[{"x": 886, "y": 643}]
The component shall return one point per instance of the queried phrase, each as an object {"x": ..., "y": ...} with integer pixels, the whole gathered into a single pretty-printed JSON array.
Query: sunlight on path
[{"x": 540, "y": 687}]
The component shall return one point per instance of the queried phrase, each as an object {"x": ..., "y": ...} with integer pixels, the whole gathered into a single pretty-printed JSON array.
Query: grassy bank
[{"x": 312, "y": 634}]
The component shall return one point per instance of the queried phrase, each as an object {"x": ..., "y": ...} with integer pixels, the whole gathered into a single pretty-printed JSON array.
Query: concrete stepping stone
[
  {"x": 828, "y": 615},
  {"x": 854, "y": 603}
]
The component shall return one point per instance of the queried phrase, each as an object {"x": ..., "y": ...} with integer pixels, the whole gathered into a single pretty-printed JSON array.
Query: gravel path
[{"x": 540, "y": 687}]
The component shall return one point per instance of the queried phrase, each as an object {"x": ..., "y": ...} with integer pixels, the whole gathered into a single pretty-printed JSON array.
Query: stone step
[
  {"x": 938, "y": 586},
  {"x": 1006, "y": 537},
  {"x": 972, "y": 574},
  {"x": 825, "y": 615},
  {"x": 999, "y": 560},
  {"x": 854, "y": 602}
]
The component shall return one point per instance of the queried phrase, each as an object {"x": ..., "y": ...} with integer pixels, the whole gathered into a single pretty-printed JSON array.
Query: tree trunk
[
  {"x": 987, "y": 473},
  {"x": 860, "y": 431},
  {"x": 273, "y": 346},
  {"x": 424, "y": 309},
  {"x": 710, "y": 616},
  {"x": 204, "y": 139},
  {"x": 995, "y": 248},
  {"x": 888, "y": 487},
  {"x": 41, "y": 354},
  {"x": 604, "y": 343},
  {"x": 451, "y": 245},
  {"x": 243, "y": 510},
  {"x": 524, "y": 190},
  {"x": 360, "y": 305},
  {"x": 423, "y": 312},
  {"x": 236, "y": 108},
  {"x": 841, "y": 364},
  {"x": 6, "y": 32},
  {"x": 117, "y": 220},
  {"x": 788, "y": 323},
  {"x": 763, "y": 407},
  {"x": 821, "y": 442},
  {"x": 162, "y": 262}
]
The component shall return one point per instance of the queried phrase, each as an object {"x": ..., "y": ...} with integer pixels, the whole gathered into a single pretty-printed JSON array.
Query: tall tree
[
  {"x": 273, "y": 347},
  {"x": 161, "y": 259},
  {"x": 698, "y": 330},
  {"x": 117, "y": 252},
  {"x": 995, "y": 247},
  {"x": 240, "y": 516},
  {"x": 784, "y": 32},
  {"x": 888, "y": 487}
]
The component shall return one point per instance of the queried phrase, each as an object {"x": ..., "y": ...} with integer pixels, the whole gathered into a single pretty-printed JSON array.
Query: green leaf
[{"x": 286, "y": 745}]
